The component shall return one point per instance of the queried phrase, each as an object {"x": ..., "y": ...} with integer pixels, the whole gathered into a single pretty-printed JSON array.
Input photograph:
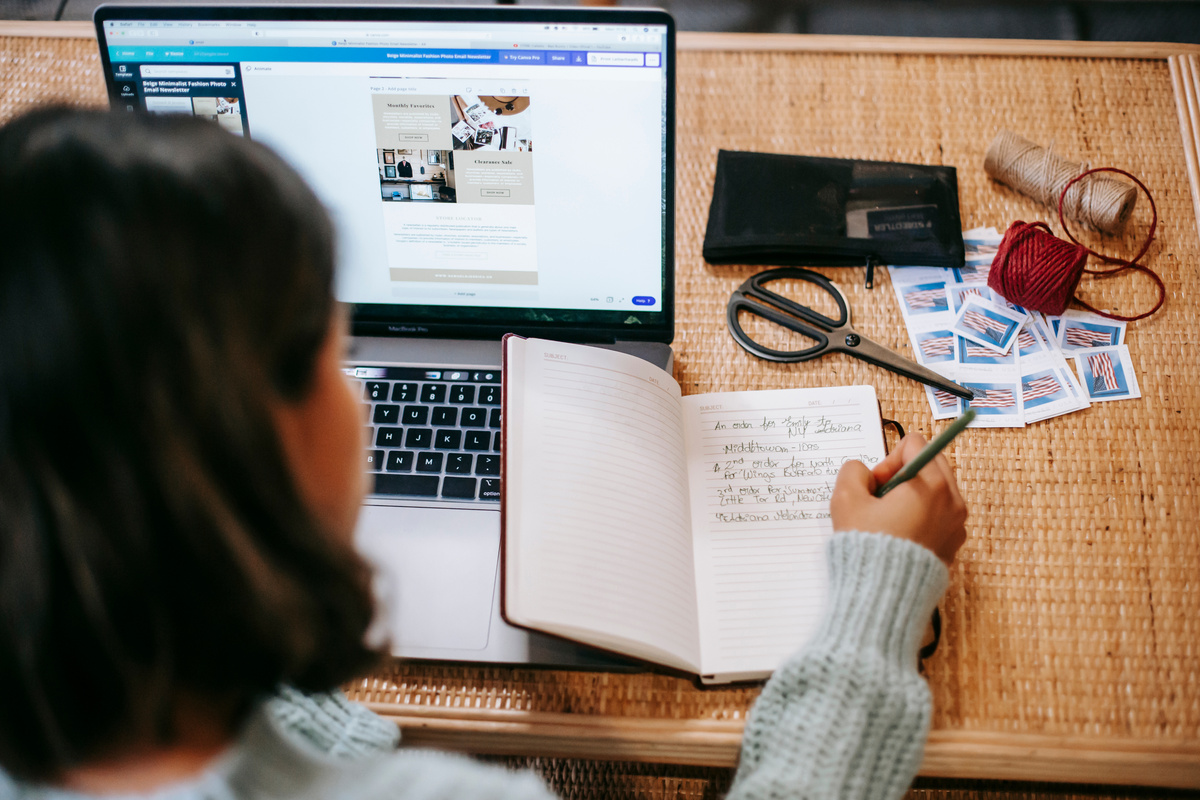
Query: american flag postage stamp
[
  {"x": 1030, "y": 342},
  {"x": 907, "y": 276},
  {"x": 1047, "y": 393},
  {"x": 1107, "y": 374},
  {"x": 974, "y": 355},
  {"x": 998, "y": 404},
  {"x": 923, "y": 298},
  {"x": 959, "y": 293},
  {"x": 1081, "y": 330},
  {"x": 943, "y": 404},
  {"x": 933, "y": 346},
  {"x": 988, "y": 324}
]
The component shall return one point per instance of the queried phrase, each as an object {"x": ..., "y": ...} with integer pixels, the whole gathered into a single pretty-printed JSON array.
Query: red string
[
  {"x": 1124, "y": 264},
  {"x": 1036, "y": 269}
]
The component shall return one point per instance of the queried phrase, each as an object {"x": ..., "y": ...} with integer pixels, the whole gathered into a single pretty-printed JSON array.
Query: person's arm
[
  {"x": 331, "y": 724},
  {"x": 847, "y": 716}
]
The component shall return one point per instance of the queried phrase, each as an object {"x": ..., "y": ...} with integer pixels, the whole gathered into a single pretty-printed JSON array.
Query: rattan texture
[
  {"x": 1075, "y": 605},
  {"x": 604, "y": 780}
]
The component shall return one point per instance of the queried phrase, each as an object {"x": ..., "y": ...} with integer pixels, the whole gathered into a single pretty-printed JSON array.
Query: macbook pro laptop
[{"x": 488, "y": 170}]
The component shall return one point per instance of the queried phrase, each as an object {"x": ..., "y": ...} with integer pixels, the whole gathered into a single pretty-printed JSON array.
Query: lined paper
[
  {"x": 762, "y": 467},
  {"x": 607, "y": 429}
]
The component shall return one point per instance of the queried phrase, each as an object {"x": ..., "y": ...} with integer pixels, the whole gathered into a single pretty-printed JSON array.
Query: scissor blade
[{"x": 880, "y": 356}]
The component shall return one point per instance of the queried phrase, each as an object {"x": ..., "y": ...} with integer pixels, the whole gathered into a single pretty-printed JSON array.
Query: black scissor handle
[
  {"x": 739, "y": 302},
  {"x": 754, "y": 287},
  {"x": 771, "y": 306}
]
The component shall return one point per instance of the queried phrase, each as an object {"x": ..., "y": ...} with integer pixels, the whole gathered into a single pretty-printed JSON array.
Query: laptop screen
[{"x": 487, "y": 170}]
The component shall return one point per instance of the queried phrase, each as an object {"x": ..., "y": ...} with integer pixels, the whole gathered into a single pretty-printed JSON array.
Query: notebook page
[
  {"x": 604, "y": 541},
  {"x": 762, "y": 467}
]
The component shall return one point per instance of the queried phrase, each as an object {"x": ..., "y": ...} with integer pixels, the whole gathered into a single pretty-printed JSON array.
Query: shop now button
[
  {"x": 495, "y": 193},
  {"x": 413, "y": 137}
]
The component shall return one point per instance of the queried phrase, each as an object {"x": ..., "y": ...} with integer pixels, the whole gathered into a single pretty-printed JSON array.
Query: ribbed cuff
[{"x": 883, "y": 591}]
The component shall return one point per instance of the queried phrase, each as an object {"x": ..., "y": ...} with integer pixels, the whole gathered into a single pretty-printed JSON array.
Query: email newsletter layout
[{"x": 488, "y": 164}]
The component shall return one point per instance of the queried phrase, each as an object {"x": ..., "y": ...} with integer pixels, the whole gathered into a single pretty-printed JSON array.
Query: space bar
[{"x": 422, "y": 485}]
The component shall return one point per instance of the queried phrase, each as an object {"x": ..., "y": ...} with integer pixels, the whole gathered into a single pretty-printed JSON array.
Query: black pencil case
[{"x": 782, "y": 209}]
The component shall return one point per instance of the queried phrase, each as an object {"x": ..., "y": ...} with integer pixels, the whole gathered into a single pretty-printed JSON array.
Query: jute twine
[{"x": 1101, "y": 202}]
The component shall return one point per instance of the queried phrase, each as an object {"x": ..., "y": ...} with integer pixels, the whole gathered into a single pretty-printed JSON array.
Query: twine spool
[
  {"x": 1035, "y": 269},
  {"x": 1036, "y": 172}
]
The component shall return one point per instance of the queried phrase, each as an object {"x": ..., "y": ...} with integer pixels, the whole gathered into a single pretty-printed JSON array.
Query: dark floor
[{"x": 1153, "y": 20}]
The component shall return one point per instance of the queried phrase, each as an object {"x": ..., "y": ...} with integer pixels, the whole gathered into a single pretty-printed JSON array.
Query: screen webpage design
[{"x": 507, "y": 165}]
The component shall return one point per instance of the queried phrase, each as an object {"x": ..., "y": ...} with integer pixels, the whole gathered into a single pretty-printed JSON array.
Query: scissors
[{"x": 830, "y": 335}]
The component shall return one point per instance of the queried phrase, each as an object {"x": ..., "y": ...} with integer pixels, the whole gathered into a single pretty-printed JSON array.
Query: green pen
[{"x": 939, "y": 442}]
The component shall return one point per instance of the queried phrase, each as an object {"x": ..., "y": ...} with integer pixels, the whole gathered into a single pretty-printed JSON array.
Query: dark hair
[{"x": 162, "y": 284}]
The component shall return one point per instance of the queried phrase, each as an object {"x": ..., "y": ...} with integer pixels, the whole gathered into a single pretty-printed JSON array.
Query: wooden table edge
[
  {"x": 950, "y": 754},
  {"x": 1169, "y": 763}
]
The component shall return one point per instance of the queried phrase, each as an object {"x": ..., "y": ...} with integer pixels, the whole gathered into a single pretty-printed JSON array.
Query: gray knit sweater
[{"x": 846, "y": 717}]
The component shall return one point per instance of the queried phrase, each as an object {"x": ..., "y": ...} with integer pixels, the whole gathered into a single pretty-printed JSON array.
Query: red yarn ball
[{"x": 1035, "y": 269}]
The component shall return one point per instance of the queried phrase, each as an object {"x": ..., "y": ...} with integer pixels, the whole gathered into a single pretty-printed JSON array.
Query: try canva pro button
[{"x": 495, "y": 193}]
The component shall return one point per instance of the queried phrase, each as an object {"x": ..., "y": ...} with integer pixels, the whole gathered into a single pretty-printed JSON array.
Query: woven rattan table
[{"x": 1072, "y": 640}]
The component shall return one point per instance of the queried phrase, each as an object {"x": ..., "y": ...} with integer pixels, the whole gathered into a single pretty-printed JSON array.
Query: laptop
[{"x": 488, "y": 170}]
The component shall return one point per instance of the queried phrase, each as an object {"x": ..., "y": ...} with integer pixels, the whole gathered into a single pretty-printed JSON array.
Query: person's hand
[{"x": 927, "y": 510}]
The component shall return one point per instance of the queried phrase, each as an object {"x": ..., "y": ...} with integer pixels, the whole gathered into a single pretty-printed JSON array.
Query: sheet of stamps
[{"x": 1026, "y": 366}]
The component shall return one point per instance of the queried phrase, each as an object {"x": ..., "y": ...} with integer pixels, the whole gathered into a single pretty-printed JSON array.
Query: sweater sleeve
[
  {"x": 847, "y": 716},
  {"x": 331, "y": 724}
]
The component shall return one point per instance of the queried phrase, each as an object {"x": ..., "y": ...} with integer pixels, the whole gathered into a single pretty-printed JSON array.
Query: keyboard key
[
  {"x": 386, "y": 415},
  {"x": 420, "y": 485},
  {"x": 462, "y": 394},
  {"x": 461, "y": 488},
  {"x": 448, "y": 440},
  {"x": 459, "y": 463},
  {"x": 487, "y": 465},
  {"x": 374, "y": 460},
  {"x": 473, "y": 417},
  {"x": 399, "y": 461},
  {"x": 388, "y": 437},
  {"x": 494, "y": 418},
  {"x": 376, "y": 391},
  {"x": 478, "y": 440},
  {"x": 433, "y": 393},
  {"x": 415, "y": 415},
  {"x": 489, "y": 489},
  {"x": 429, "y": 462},
  {"x": 489, "y": 395},
  {"x": 404, "y": 393},
  {"x": 496, "y": 446},
  {"x": 445, "y": 416},
  {"x": 417, "y": 439}
]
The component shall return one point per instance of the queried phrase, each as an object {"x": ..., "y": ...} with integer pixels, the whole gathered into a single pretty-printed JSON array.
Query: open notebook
[{"x": 685, "y": 531}]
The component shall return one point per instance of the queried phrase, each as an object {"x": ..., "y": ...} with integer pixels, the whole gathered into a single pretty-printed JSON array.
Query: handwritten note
[{"x": 762, "y": 467}]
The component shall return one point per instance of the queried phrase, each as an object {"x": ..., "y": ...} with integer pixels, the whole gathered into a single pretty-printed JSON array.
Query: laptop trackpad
[{"x": 435, "y": 573}]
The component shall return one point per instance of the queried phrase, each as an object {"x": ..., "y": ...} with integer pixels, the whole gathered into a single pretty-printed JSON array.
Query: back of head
[{"x": 162, "y": 285}]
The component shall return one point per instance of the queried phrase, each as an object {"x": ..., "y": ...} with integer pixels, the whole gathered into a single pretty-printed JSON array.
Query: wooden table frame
[{"x": 951, "y": 754}]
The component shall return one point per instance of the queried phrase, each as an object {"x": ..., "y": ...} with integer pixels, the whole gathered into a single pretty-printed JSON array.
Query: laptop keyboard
[{"x": 433, "y": 433}]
